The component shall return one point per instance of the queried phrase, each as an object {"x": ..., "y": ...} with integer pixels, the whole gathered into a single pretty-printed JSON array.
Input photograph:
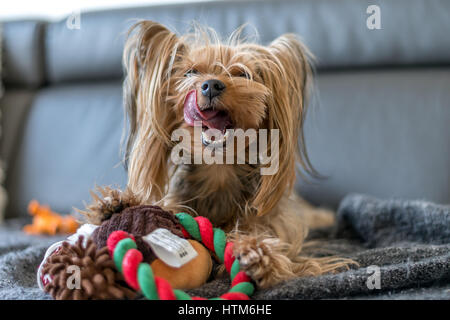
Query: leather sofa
[{"x": 379, "y": 122}]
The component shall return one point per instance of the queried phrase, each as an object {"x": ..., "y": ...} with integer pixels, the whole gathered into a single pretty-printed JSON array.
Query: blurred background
[
  {"x": 52, "y": 10},
  {"x": 379, "y": 122}
]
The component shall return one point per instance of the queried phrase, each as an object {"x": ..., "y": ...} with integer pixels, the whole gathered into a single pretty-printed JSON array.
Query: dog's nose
[{"x": 212, "y": 88}]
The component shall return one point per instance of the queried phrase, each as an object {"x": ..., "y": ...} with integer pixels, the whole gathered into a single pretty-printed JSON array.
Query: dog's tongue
[{"x": 213, "y": 119}]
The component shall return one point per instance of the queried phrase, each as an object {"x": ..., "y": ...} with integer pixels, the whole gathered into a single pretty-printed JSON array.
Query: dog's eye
[
  {"x": 190, "y": 73},
  {"x": 244, "y": 74}
]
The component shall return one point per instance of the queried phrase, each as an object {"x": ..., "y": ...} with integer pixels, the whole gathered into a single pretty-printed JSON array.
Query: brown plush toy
[
  {"x": 116, "y": 213},
  {"x": 142, "y": 220}
]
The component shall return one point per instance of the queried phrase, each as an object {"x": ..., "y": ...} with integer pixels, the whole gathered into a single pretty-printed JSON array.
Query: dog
[{"x": 173, "y": 80}]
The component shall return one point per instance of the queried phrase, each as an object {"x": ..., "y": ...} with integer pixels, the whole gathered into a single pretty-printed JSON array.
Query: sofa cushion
[
  {"x": 14, "y": 106},
  {"x": 23, "y": 45},
  {"x": 70, "y": 143},
  {"x": 412, "y": 32},
  {"x": 384, "y": 133}
]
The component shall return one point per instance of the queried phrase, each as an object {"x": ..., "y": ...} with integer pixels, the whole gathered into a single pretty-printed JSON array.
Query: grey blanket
[{"x": 402, "y": 247}]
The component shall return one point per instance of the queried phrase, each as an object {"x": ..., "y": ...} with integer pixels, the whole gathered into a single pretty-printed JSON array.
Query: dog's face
[
  {"x": 221, "y": 87},
  {"x": 175, "y": 82}
]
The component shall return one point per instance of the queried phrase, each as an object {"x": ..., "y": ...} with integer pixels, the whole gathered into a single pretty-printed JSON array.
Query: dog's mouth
[{"x": 210, "y": 118}]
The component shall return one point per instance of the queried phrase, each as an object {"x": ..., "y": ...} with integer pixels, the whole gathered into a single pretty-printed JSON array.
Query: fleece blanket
[{"x": 402, "y": 247}]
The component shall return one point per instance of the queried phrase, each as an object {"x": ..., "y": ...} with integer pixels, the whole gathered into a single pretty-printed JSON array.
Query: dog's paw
[{"x": 260, "y": 260}]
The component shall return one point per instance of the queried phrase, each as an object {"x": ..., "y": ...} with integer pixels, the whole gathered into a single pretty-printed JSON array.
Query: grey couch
[{"x": 379, "y": 124}]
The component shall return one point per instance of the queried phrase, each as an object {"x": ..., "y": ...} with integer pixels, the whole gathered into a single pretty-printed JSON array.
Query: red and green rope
[{"x": 139, "y": 275}]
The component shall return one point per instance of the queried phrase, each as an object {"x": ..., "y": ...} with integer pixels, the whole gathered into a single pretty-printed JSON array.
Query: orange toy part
[
  {"x": 46, "y": 221},
  {"x": 189, "y": 276}
]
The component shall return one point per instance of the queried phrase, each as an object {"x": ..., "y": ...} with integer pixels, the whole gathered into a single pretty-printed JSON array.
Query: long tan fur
[{"x": 267, "y": 220}]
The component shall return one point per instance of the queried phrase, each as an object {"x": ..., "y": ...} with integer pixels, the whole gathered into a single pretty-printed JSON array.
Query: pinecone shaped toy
[{"x": 97, "y": 276}]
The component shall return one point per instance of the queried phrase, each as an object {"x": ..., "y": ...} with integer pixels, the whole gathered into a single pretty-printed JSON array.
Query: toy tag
[{"x": 171, "y": 249}]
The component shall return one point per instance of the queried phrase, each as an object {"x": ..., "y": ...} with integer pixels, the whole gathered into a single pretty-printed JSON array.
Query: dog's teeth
[
  {"x": 206, "y": 139},
  {"x": 226, "y": 135}
]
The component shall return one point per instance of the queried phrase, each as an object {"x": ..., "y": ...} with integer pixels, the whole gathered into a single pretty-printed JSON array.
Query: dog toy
[
  {"x": 143, "y": 220},
  {"x": 48, "y": 222},
  {"x": 138, "y": 221},
  {"x": 99, "y": 278},
  {"x": 141, "y": 277},
  {"x": 132, "y": 235}
]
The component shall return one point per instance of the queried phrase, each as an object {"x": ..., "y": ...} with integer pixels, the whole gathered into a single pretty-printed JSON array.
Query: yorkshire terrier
[{"x": 173, "y": 80}]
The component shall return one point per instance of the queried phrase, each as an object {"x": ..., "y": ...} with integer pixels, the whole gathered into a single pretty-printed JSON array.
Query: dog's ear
[
  {"x": 149, "y": 53},
  {"x": 289, "y": 78}
]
